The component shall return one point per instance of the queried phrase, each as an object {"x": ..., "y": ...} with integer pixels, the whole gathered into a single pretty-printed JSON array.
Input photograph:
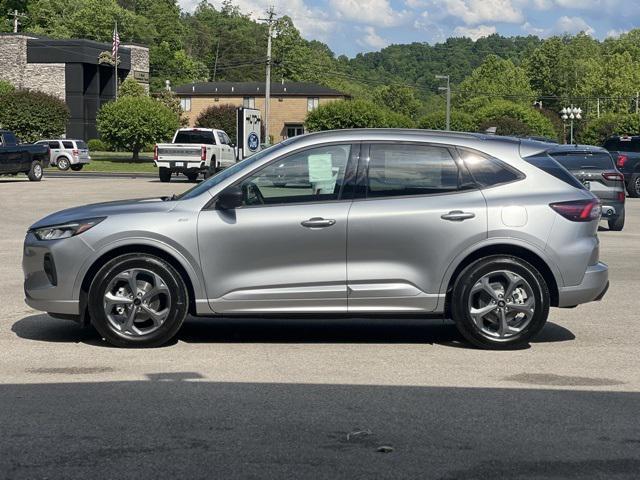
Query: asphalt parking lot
[{"x": 287, "y": 398}]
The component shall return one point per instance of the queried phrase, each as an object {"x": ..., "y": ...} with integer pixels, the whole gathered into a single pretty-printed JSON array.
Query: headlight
[{"x": 66, "y": 230}]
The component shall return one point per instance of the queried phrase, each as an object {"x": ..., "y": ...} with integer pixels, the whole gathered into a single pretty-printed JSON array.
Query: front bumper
[
  {"x": 50, "y": 273},
  {"x": 593, "y": 287}
]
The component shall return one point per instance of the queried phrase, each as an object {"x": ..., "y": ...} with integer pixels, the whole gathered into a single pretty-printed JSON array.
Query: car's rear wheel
[
  {"x": 138, "y": 300},
  {"x": 500, "y": 302},
  {"x": 77, "y": 167},
  {"x": 63, "y": 163},
  {"x": 35, "y": 172},
  {"x": 165, "y": 174},
  {"x": 617, "y": 224},
  {"x": 192, "y": 176},
  {"x": 633, "y": 187}
]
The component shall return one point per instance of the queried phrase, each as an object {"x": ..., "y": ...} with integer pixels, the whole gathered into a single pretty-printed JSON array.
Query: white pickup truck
[{"x": 194, "y": 151}]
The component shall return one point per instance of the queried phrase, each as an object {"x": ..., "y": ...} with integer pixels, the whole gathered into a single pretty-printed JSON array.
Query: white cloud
[
  {"x": 371, "y": 12},
  {"x": 416, "y": 3},
  {"x": 372, "y": 39},
  {"x": 616, "y": 33},
  {"x": 474, "y": 12},
  {"x": 474, "y": 33},
  {"x": 572, "y": 25},
  {"x": 532, "y": 30}
]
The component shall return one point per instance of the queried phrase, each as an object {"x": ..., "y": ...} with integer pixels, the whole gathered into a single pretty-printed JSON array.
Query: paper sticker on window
[{"x": 321, "y": 173}]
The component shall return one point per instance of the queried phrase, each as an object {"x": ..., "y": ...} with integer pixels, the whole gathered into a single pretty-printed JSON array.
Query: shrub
[
  {"x": 33, "y": 116},
  {"x": 598, "y": 130},
  {"x": 514, "y": 119},
  {"x": 170, "y": 100},
  {"x": 346, "y": 114},
  {"x": 460, "y": 121},
  {"x": 131, "y": 88},
  {"x": 222, "y": 117},
  {"x": 97, "y": 145},
  {"x": 6, "y": 87},
  {"x": 398, "y": 120},
  {"x": 132, "y": 123}
]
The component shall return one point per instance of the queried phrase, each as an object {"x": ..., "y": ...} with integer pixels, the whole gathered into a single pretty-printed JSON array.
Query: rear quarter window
[
  {"x": 82, "y": 145},
  {"x": 548, "y": 165},
  {"x": 487, "y": 171}
]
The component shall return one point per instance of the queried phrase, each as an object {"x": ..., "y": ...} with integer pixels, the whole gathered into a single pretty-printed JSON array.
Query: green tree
[
  {"x": 598, "y": 130},
  {"x": 170, "y": 100},
  {"x": 348, "y": 114},
  {"x": 175, "y": 66},
  {"x": 397, "y": 98},
  {"x": 219, "y": 116},
  {"x": 512, "y": 117},
  {"x": 33, "y": 115},
  {"x": 460, "y": 121},
  {"x": 496, "y": 78},
  {"x": 131, "y": 88},
  {"x": 132, "y": 123}
]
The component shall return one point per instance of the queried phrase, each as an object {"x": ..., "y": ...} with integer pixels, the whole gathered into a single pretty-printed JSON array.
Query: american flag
[{"x": 116, "y": 42}]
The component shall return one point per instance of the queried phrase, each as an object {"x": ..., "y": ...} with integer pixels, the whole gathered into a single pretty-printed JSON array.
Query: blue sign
[{"x": 253, "y": 141}]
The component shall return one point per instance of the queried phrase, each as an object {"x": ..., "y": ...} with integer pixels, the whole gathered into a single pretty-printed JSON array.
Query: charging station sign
[{"x": 249, "y": 131}]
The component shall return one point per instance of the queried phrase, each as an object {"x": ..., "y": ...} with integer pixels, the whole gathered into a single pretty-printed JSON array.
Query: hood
[{"x": 141, "y": 205}]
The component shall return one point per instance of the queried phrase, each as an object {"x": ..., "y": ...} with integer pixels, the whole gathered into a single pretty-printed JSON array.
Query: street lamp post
[
  {"x": 572, "y": 113},
  {"x": 448, "y": 90}
]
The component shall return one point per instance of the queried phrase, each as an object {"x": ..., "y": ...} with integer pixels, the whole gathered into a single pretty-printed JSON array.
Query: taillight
[
  {"x": 155, "y": 153},
  {"x": 622, "y": 196},
  {"x": 579, "y": 210},
  {"x": 75, "y": 153},
  {"x": 622, "y": 159},
  {"x": 203, "y": 154},
  {"x": 613, "y": 176}
]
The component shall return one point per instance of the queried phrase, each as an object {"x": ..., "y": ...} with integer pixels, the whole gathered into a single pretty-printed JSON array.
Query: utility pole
[
  {"x": 448, "y": 90},
  {"x": 16, "y": 16},
  {"x": 215, "y": 65},
  {"x": 267, "y": 91}
]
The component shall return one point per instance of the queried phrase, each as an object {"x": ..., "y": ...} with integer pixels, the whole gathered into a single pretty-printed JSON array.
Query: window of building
[
  {"x": 313, "y": 175},
  {"x": 294, "y": 130},
  {"x": 312, "y": 103},
  {"x": 249, "y": 102},
  {"x": 185, "y": 104},
  {"x": 396, "y": 170}
]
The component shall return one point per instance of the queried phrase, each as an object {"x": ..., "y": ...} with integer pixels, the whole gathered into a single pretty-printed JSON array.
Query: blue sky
[{"x": 353, "y": 26}]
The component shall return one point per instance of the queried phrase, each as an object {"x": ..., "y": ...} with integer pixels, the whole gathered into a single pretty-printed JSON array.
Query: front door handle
[
  {"x": 318, "y": 222},
  {"x": 457, "y": 216}
]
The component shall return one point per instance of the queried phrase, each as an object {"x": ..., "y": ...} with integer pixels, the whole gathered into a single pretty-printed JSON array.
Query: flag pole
[{"x": 115, "y": 58}]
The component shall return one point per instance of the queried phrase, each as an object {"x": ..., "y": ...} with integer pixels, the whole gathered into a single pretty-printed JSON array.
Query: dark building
[{"x": 73, "y": 70}]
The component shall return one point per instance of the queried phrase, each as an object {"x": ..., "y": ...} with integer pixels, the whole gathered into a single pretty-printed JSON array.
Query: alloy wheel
[
  {"x": 501, "y": 304},
  {"x": 137, "y": 302}
]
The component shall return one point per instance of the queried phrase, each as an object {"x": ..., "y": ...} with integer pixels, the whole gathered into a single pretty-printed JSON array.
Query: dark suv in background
[
  {"x": 595, "y": 169},
  {"x": 625, "y": 151}
]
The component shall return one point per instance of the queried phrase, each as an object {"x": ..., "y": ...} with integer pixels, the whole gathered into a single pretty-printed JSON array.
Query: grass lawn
[{"x": 119, "y": 162}]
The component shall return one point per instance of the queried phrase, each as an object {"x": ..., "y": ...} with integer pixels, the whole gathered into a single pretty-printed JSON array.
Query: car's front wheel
[
  {"x": 138, "y": 300},
  {"x": 500, "y": 302}
]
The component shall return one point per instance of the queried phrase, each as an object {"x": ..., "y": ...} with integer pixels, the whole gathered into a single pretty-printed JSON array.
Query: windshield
[
  {"x": 195, "y": 136},
  {"x": 584, "y": 161},
  {"x": 228, "y": 172}
]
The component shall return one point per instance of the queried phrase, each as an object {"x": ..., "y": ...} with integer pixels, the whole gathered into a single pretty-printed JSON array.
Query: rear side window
[
  {"x": 547, "y": 164},
  {"x": 396, "y": 170},
  {"x": 488, "y": 171},
  {"x": 195, "y": 136},
  {"x": 584, "y": 161},
  {"x": 68, "y": 145}
]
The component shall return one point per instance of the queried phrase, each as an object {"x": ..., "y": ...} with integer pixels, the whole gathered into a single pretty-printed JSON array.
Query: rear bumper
[
  {"x": 593, "y": 287},
  {"x": 612, "y": 209},
  {"x": 179, "y": 166}
]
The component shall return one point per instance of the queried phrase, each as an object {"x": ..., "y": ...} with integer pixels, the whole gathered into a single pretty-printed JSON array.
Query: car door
[
  {"x": 54, "y": 151},
  {"x": 284, "y": 249},
  {"x": 11, "y": 157},
  {"x": 415, "y": 210},
  {"x": 228, "y": 155},
  {"x": 5, "y": 164}
]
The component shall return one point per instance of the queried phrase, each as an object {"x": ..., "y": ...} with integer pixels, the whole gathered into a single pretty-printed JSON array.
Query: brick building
[
  {"x": 290, "y": 102},
  {"x": 70, "y": 70}
]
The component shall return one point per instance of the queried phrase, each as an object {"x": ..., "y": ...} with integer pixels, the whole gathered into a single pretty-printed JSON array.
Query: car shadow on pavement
[{"x": 283, "y": 330}]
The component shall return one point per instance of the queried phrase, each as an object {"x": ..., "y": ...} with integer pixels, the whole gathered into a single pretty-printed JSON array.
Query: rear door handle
[
  {"x": 457, "y": 216},
  {"x": 318, "y": 222}
]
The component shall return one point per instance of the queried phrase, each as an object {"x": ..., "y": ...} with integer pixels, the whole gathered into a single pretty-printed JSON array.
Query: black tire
[
  {"x": 63, "y": 163},
  {"x": 165, "y": 174},
  {"x": 35, "y": 172},
  {"x": 617, "y": 224},
  {"x": 213, "y": 168},
  {"x": 177, "y": 311},
  {"x": 77, "y": 167},
  {"x": 633, "y": 187},
  {"x": 471, "y": 275},
  {"x": 192, "y": 176}
]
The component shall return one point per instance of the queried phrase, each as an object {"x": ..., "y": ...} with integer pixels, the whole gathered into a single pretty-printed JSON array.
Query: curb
[{"x": 100, "y": 175}]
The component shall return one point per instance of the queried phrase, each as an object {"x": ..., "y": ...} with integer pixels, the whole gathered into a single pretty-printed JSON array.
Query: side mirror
[{"x": 230, "y": 198}]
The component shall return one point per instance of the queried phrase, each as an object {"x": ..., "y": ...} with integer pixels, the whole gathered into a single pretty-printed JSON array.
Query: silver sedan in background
[{"x": 488, "y": 231}]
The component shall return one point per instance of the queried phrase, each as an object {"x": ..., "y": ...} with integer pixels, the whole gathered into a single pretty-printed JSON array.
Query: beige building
[{"x": 290, "y": 102}]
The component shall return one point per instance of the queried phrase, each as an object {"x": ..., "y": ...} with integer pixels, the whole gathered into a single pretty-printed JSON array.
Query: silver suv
[
  {"x": 488, "y": 231},
  {"x": 67, "y": 154}
]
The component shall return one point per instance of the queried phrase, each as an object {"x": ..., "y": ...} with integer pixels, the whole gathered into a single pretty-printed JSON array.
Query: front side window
[
  {"x": 185, "y": 104},
  {"x": 396, "y": 170},
  {"x": 314, "y": 175},
  {"x": 54, "y": 145}
]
